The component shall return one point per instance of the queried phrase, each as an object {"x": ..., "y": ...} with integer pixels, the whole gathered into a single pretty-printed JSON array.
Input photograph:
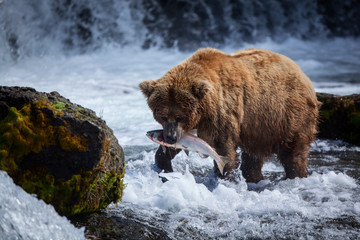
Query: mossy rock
[
  {"x": 59, "y": 151},
  {"x": 340, "y": 117}
]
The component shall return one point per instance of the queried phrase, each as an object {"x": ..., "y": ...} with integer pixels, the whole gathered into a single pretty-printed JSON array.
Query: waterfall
[{"x": 38, "y": 27}]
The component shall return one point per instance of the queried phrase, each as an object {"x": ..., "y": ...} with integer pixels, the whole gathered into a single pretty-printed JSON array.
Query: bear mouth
[{"x": 172, "y": 132}]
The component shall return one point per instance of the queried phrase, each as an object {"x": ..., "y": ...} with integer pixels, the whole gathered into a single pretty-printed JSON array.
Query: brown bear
[{"x": 254, "y": 99}]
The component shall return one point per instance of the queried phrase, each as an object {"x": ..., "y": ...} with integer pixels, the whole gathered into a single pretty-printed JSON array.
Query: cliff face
[{"x": 59, "y": 151}]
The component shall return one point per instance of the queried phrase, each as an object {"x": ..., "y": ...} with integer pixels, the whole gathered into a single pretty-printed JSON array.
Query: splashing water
[
  {"x": 22, "y": 216},
  {"x": 324, "y": 205}
]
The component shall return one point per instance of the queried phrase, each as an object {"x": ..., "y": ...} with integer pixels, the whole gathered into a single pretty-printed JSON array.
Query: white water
[
  {"x": 283, "y": 209},
  {"x": 193, "y": 201}
]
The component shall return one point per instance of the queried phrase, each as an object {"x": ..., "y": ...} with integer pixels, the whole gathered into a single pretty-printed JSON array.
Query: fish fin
[
  {"x": 187, "y": 152},
  {"x": 221, "y": 164},
  {"x": 193, "y": 132},
  {"x": 163, "y": 148},
  {"x": 203, "y": 155}
]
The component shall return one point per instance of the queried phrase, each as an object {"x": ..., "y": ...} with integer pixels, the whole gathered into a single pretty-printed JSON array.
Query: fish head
[{"x": 156, "y": 136}]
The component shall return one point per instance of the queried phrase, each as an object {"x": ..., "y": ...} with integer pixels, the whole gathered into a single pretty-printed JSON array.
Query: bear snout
[
  {"x": 171, "y": 135},
  {"x": 170, "y": 139}
]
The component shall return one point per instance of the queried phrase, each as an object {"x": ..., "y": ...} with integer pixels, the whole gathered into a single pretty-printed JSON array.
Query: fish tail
[{"x": 222, "y": 162}]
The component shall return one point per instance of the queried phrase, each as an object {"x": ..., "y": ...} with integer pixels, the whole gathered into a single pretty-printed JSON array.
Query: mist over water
[{"x": 97, "y": 52}]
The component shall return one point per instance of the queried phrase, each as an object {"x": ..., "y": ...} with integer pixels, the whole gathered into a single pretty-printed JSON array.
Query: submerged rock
[
  {"x": 59, "y": 151},
  {"x": 340, "y": 117},
  {"x": 105, "y": 225}
]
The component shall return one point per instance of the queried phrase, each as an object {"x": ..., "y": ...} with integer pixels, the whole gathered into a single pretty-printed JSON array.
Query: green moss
[
  {"x": 325, "y": 114},
  {"x": 354, "y": 123},
  {"x": 17, "y": 137},
  {"x": 112, "y": 185},
  {"x": 22, "y": 132},
  {"x": 79, "y": 109},
  {"x": 60, "y": 193},
  {"x": 70, "y": 142},
  {"x": 83, "y": 115},
  {"x": 59, "y": 105}
]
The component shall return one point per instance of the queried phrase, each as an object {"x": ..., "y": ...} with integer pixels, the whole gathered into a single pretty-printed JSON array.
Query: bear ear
[
  {"x": 147, "y": 87},
  {"x": 200, "y": 88}
]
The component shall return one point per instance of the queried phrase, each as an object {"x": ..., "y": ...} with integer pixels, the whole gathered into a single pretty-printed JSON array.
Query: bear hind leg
[{"x": 251, "y": 168}]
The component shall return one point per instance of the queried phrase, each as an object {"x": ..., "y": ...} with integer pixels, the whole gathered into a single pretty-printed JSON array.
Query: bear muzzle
[{"x": 171, "y": 132}]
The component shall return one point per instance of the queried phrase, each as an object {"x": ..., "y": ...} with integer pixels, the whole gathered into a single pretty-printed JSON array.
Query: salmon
[{"x": 190, "y": 142}]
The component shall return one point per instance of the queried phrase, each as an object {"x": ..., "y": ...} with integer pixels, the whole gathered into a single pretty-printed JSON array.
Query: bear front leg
[
  {"x": 251, "y": 168},
  {"x": 163, "y": 158}
]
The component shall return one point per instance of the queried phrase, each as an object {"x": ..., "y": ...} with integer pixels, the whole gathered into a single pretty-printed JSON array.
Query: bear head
[{"x": 176, "y": 100}]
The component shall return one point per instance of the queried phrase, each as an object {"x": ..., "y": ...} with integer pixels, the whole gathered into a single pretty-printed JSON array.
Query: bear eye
[{"x": 164, "y": 119}]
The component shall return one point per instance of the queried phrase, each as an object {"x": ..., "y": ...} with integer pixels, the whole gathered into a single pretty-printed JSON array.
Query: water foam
[
  {"x": 231, "y": 210},
  {"x": 146, "y": 189}
]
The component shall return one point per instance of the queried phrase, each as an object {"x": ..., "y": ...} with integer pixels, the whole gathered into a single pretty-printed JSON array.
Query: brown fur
[{"x": 254, "y": 99}]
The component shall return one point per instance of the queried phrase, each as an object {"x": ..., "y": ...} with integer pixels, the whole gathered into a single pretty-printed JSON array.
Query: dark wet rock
[
  {"x": 104, "y": 225},
  {"x": 59, "y": 151},
  {"x": 340, "y": 117}
]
